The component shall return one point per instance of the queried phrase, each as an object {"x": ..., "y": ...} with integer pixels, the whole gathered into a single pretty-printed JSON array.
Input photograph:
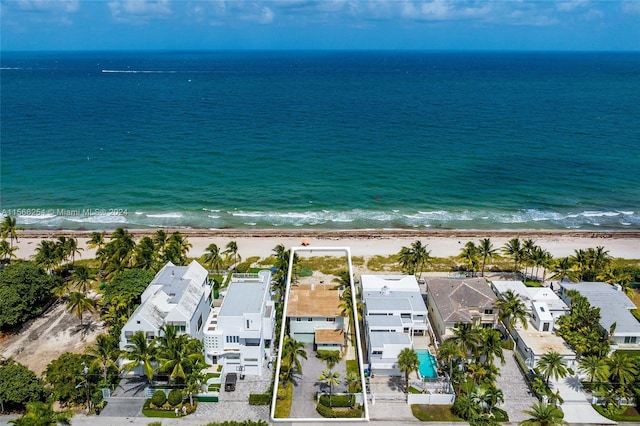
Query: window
[
  {"x": 233, "y": 339},
  {"x": 248, "y": 324},
  {"x": 630, "y": 339},
  {"x": 199, "y": 323},
  {"x": 545, "y": 326},
  {"x": 376, "y": 353},
  {"x": 331, "y": 320},
  {"x": 309, "y": 319},
  {"x": 488, "y": 311},
  {"x": 298, "y": 319}
]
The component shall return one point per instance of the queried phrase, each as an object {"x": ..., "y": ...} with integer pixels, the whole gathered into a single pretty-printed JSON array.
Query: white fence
[{"x": 430, "y": 398}]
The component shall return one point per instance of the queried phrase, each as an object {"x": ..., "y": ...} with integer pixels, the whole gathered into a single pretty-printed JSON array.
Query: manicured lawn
[
  {"x": 434, "y": 413},
  {"x": 283, "y": 401},
  {"x": 147, "y": 412}
]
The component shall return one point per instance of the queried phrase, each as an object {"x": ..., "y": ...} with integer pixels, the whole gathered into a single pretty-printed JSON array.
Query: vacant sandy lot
[{"x": 45, "y": 338}]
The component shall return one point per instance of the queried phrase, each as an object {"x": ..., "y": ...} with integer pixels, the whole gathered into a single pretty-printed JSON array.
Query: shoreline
[{"x": 363, "y": 242}]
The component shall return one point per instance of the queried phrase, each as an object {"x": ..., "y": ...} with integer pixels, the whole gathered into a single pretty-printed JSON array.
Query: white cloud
[
  {"x": 631, "y": 7},
  {"x": 569, "y": 6},
  {"x": 267, "y": 16},
  {"x": 66, "y": 6},
  {"x": 139, "y": 11}
]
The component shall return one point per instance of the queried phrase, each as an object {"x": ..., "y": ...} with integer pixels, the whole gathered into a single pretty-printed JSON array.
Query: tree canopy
[
  {"x": 19, "y": 386},
  {"x": 25, "y": 289}
]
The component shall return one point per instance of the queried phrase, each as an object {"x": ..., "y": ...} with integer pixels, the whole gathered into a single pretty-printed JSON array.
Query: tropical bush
[
  {"x": 260, "y": 399},
  {"x": 327, "y": 412},
  {"x": 175, "y": 397},
  {"x": 338, "y": 400},
  {"x": 158, "y": 398}
]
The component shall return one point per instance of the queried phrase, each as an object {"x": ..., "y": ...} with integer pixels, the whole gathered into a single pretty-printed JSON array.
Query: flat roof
[
  {"x": 395, "y": 301},
  {"x": 314, "y": 300},
  {"x": 243, "y": 298},
  {"x": 394, "y": 282},
  {"x": 381, "y": 338},
  {"x": 614, "y": 306},
  {"x": 329, "y": 336},
  {"x": 531, "y": 294},
  {"x": 541, "y": 343},
  {"x": 384, "y": 321}
]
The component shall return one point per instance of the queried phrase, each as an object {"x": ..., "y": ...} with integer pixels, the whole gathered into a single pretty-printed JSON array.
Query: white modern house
[
  {"x": 314, "y": 315},
  {"x": 394, "y": 312},
  {"x": 239, "y": 330},
  {"x": 615, "y": 307},
  {"x": 542, "y": 303},
  {"x": 179, "y": 296}
]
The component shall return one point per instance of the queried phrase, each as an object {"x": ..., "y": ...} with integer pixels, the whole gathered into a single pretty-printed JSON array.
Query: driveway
[
  {"x": 517, "y": 396},
  {"x": 128, "y": 398},
  {"x": 576, "y": 407}
]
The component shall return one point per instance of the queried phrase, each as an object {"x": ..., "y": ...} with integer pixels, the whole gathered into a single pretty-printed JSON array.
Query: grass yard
[{"x": 434, "y": 413}]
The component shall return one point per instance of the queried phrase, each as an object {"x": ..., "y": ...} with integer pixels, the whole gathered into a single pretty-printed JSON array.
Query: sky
[{"x": 53, "y": 25}]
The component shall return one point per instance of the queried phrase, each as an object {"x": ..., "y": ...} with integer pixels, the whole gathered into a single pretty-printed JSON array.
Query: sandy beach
[{"x": 365, "y": 243}]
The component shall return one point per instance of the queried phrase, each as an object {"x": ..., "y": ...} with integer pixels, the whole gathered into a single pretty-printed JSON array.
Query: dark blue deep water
[{"x": 321, "y": 140}]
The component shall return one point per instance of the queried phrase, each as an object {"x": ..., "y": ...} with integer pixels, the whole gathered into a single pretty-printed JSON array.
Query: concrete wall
[{"x": 430, "y": 398}]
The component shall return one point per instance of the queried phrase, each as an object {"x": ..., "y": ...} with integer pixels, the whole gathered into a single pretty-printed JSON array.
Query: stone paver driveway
[{"x": 517, "y": 396}]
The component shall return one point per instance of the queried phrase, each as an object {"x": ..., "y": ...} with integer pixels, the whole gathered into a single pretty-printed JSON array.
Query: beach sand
[{"x": 365, "y": 243}]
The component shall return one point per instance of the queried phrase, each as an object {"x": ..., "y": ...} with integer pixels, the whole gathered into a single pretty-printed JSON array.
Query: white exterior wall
[{"x": 306, "y": 327}]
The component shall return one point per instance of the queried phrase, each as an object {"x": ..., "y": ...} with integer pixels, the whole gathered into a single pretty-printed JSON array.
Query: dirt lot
[{"x": 43, "y": 339}]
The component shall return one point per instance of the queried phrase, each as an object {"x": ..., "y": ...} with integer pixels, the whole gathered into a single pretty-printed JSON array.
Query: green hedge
[
  {"x": 175, "y": 397},
  {"x": 500, "y": 415},
  {"x": 338, "y": 400},
  {"x": 260, "y": 399},
  {"x": 327, "y": 412},
  {"x": 158, "y": 398},
  {"x": 507, "y": 344}
]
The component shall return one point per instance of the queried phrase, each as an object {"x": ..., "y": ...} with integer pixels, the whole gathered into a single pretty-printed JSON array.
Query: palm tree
[
  {"x": 81, "y": 276},
  {"x": 408, "y": 362},
  {"x": 467, "y": 337},
  {"x": 405, "y": 258},
  {"x": 469, "y": 254},
  {"x": 528, "y": 247},
  {"x": 79, "y": 304},
  {"x": 232, "y": 250},
  {"x": 176, "y": 249},
  {"x": 194, "y": 383},
  {"x": 486, "y": 251},
  {"x": 42, "y": 414},
  {"x": 160, "y": 241},
  {"x": 563, "y": 268},
  {"x": 47, "y": 255},
  {"x": 622, "y": 369},
  {"x": 138, "y": 351},
  {"x": 180, "y": 357},
  {"x": 513, "y": 248},
  {"x": 491, "y": 345},
  {"x": 71, "y": 249},
  {"x": 552, "y": 364},
  {"x": 353, "y": 381},
  {"x": 331, "y": 378},
  {"x": 594, "y": 367},
  {"x": 145, "y": 254},
  {"x": 512, "y": 309},
  {"x": 421, "y": 256},
  {"x": 7, "y": 251},
  {"x": 96, "y": 240},
  {"x": 542, "y": 414},
  {"x": 448, "y": 352},
  {"x": 292, "y": 351},
  {"x": 104, "y": 354},
  {"x": 9, "y": 228},
  {"x": 213, "y": 258}
]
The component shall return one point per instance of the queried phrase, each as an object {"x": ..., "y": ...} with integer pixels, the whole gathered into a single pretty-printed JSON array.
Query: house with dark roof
[
  {"x": 453, "y": 300},
  {"x": 177, "y": 295}
]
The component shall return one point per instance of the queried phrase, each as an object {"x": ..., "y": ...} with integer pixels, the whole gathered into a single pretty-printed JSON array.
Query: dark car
[{"x": 230, "y": 382}]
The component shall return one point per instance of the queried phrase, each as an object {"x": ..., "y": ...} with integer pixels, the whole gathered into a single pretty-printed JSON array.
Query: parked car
[{"x": 230, "y": 382}]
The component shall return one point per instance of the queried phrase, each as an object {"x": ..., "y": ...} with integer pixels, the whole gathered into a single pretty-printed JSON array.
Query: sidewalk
[{"x": 576, "y": 407}]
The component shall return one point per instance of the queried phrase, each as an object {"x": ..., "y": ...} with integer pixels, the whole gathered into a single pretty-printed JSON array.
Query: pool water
[{"x": 428, "y": 365}]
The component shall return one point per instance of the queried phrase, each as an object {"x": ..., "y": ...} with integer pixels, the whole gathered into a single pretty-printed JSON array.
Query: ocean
[{"x": 321, "y": 140}]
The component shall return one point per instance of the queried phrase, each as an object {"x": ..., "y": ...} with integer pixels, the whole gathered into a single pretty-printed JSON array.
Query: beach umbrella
[{"x": 305, "y": 242}]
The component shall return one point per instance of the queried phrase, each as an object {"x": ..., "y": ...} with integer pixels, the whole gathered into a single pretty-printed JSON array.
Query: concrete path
[
  {"x": 576, "y": 407},
  {"x": 517, "y": 396}
]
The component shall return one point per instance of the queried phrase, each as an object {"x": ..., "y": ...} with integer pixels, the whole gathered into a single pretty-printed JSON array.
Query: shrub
[
  {"x": 338, "y": 400},
  {"x": 175, "y": 397},
  {"x": 507, "y": 344},
  {"x": 500, "y": 415},
  {"x": 158, "y": 398},
  {"x": 327, "y": 412},
  {"x": 260, "y": 399}
]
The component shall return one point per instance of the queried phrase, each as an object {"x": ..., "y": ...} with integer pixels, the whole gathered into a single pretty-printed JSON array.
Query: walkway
[
  {"x": 517, "y": 396},
  {"x": 576, "y": 407}
]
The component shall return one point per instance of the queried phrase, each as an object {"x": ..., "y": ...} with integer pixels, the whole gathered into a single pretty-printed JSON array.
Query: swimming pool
[{"x": 428, "y": 364}]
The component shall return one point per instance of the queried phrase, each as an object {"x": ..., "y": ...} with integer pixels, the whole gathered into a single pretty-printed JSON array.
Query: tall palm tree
[
  {"x": 82, "y": 277},
  {"x": 486, "y": 251},
  {"x": 448, "y": 352},
  {"x": 79, "y": 303},
  {"x": 182, "y": 356},
  {"x": 42, "y": 414},
  {"x": 331, "y": 378},
  {"x": 529, "y": 248},
  {"x": 145, "y": 254},
  {"x": 347, "y": 309},
  {"x": 96, "y": 240},
  {"x": 103, "y": 354},
  {"x": 491, "y": 345},
  {"x": 352, "y": 381},
  {"x": 563, "y": 268},
  {"x": 176, "y": 249},
  {"x": 9, "y": 228},
  {"x": 46, "y": 255},
  {"x": 552, "y": 364},
  {"x": 467, "y": 337},
  {"x": 469, "y": 254},
  {"x": 421, "y": 256},
  {"x": 160, "y": 241},
  {"x": 194, "y": 382},
  {"x": 408, "y": 362},
  {"x": 542, "y": 414},
  {"x": 594, "y": 367},
  {"x": 512, "y": 309},
  {"x": 71, "y": 248},
  {"x": 621, "y": 368},
  {"x": 292, "y": 351},
  {"x": 513, "y": 248},
  {"x": 138, "y": 351},
  {"x": 232, "y": 250},
  {"x": 213, "y": 258},
  {"x": 406, "y": 260}
]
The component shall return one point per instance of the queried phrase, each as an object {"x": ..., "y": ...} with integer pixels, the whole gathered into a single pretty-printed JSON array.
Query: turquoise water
[
  {"x": 353, "y": 140},
  {"x": 428, "y": 364}
]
